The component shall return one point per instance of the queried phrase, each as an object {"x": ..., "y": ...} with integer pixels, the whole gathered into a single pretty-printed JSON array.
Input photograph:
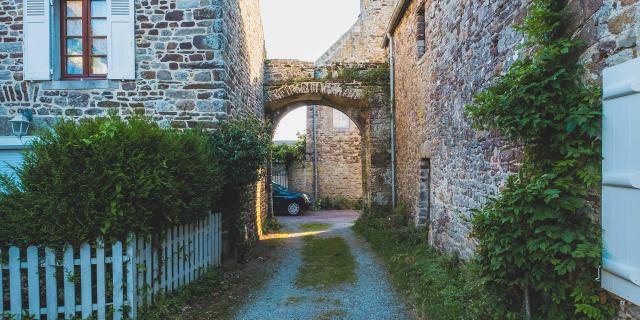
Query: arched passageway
[
  {"x": 331, "y": 170},
  {"x": 292, "y": 84}
]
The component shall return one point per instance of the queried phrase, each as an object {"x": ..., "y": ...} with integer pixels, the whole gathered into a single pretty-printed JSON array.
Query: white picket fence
[{"x": 101, "y": 282}]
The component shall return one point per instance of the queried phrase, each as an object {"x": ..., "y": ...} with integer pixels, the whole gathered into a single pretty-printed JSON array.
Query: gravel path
[{"x": 372, "y": 297}]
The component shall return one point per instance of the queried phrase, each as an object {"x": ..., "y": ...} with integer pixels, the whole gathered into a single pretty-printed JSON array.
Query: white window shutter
[
  {"x": 621, "y": 180},
  {"x": 37, "y": 40},
  {"x": 121, "y": 39}
]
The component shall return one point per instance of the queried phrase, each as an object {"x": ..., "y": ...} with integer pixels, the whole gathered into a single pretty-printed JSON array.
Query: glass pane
[
  {"x": 98, "y": 8},
  {"x": 99, "y": 27},
  {"x": 74, "y": 65},
  {"x": 99, "y": 65},
  {"x": 74, "y": 46},
  {"x": 74, "y": 8},
  {"x": 99, "y": 46},
  {"x": 74, "y": 28}
]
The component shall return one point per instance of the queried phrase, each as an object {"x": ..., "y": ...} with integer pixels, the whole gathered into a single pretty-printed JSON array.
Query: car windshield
[{"x": 278, "y": 187}]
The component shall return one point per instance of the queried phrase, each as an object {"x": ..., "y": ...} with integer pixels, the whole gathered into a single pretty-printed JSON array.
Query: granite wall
[{"x": 467, "y": 44}]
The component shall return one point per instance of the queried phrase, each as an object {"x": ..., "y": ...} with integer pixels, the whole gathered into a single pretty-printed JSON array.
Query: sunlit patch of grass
[
  {"x": 314, "y": 226},
  {"x": 327, "y": 263},
  {"x": 332, "y": 315}
]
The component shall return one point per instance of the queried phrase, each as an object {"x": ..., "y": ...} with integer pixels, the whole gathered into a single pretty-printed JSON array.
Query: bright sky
[{"x": 303, "y": 30}]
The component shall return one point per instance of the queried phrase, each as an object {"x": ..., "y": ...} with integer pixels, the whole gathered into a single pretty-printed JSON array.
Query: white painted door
[{"x": 621, "y": 181}]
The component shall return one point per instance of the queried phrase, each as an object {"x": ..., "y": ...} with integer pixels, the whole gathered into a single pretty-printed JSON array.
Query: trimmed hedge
[{"x": 108, "y": 177}]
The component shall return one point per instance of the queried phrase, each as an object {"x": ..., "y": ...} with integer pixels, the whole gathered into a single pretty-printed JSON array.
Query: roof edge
[{"x": 398, "y": 13}]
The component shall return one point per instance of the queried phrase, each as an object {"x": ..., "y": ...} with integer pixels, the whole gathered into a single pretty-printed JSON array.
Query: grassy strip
[
  {"x": 436, "y": 286},
  {"x": 327, "y": 263},
  {"x": 314, "y": 226},
  {"x": 170, "y": 306}
]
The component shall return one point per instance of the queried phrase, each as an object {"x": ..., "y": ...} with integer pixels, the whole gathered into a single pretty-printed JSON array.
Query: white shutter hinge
[
  {"x": 51, "y": 3},
  {"x": 51, "y": 72}
]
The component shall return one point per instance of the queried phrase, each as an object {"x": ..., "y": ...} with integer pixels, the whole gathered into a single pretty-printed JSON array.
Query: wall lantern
[{"x": 21, "y": 122}]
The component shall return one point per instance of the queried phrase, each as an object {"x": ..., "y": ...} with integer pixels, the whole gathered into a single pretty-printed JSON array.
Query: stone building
[
  {"x": 333, "y": 165},
  {"x": 441, "y": 54},
  {"x": 185, "y": 63}
]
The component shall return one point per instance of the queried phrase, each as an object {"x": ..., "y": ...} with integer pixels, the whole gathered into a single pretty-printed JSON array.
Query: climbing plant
[{"x": 539, "y": 246}]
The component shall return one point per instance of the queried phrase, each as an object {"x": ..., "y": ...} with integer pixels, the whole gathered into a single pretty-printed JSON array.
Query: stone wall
[
  {"x": 363, "y": 42},
  {"x": 468, "y": 43},
  {"x": 300, "y": 176},
  {"x": 244, "y": 56}
]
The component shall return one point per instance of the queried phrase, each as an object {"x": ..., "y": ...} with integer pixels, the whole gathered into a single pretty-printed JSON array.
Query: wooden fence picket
[
  {"x": 33, "y": 281},
  {"x": 148, "y": 270},
  {"x": 116, "y": 265},
  {"x": 101, "y": 290},
  {"x": 69, "y": 286},
  {"x": 131, "y": 278},
  {"x": 1, "y": 285},
  {"x": 86, "y": 285},
  {"x": 51, "y": 283},
  {"x": 15, "y": 283},
  {"x": 139, "y": 275}
]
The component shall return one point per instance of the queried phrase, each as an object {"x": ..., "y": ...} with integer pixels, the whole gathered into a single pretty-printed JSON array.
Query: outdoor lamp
[{"x": 20, "y": 123}]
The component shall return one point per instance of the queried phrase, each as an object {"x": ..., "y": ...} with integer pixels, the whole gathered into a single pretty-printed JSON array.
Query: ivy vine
[{"x": 539, "y": 245}]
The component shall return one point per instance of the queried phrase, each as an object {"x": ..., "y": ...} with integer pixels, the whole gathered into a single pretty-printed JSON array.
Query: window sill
[
  {"x": 422, "y": 59},
  {"x": 80, "y": 85}
]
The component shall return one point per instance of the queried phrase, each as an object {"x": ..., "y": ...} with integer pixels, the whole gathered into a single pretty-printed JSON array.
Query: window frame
[
  {"x": 87, "y": 43},
  {"x": 421, "y": 31}
]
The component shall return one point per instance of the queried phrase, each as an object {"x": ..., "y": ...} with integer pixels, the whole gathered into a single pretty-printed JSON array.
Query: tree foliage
[
  {"x": 539, "y": 247},
  {"x": 290, "y": 154}
]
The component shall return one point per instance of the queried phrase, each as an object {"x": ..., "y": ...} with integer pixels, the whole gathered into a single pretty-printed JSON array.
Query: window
[
  {"x": 422, "y": 217},
  {"x": 83, "y": 39},
  {"x": 420, "y": 32},
  {"x": 340, "y": 120}
]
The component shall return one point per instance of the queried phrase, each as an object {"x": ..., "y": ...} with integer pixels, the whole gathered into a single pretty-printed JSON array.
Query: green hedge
[{"x": 108, "y": 177}]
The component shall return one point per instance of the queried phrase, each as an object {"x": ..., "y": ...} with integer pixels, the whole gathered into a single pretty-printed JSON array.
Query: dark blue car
[{"x": 289, "y": 202}]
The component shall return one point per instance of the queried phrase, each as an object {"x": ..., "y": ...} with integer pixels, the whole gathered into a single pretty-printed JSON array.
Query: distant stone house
[
  {"x": 185, "y": 63},
  {"x": 334, "y": 170}
]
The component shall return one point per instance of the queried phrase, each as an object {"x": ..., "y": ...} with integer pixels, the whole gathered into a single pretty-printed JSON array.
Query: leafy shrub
[
  {"x": 107, "y": 178},
  {"x": 539, "y": 247},
  {"x": 242, "y": 148}
]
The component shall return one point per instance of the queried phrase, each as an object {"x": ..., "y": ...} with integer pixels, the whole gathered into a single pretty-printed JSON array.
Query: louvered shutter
[
  {"x": 37, "y": 40},
  {"x": 121, "y": 38},
  {"x": 621, "y": 181}
]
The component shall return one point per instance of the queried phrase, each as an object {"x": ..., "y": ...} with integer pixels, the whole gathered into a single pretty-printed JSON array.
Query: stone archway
[{"x": 292, "y": 84}]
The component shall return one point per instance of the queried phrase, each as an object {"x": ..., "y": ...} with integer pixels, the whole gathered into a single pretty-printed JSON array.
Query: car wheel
[{"x": 293, "y": 209}]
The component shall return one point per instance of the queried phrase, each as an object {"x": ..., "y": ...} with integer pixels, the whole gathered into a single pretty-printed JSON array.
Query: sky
[{"x": 303, "y": 30}]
